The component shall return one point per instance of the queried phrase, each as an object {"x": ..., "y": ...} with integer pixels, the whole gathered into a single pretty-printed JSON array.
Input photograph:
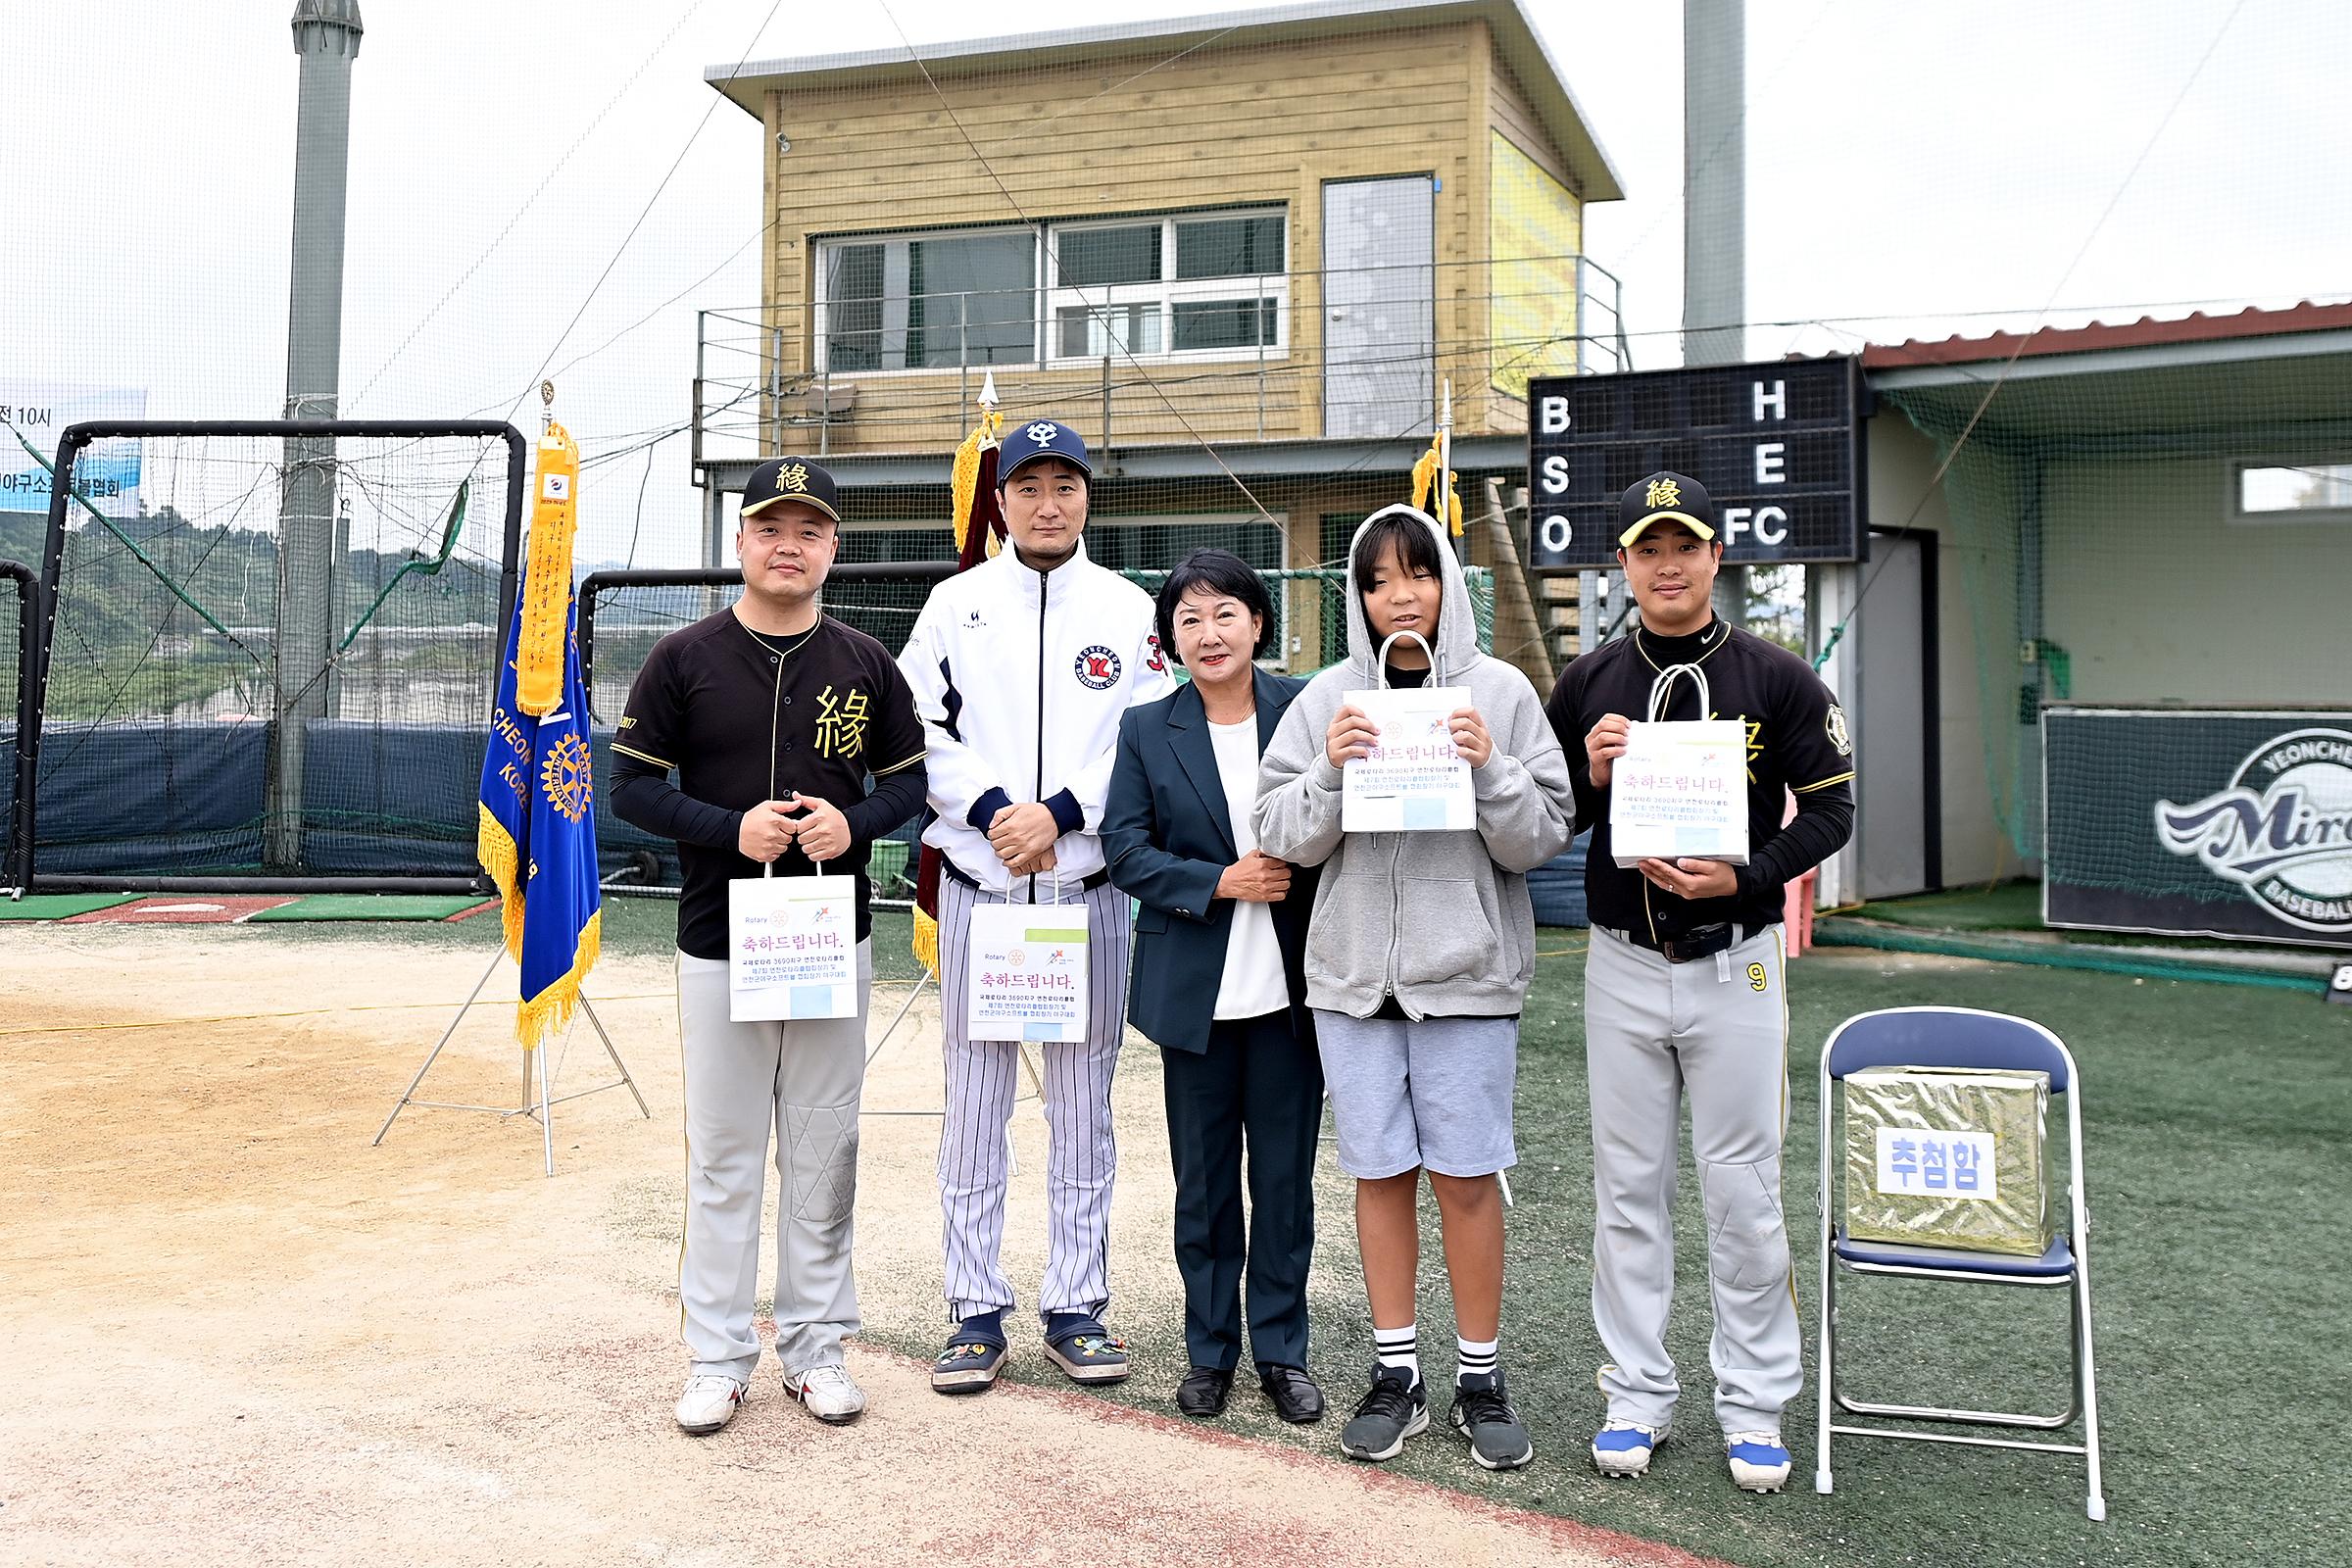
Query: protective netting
[
  {"x": 2165, "y": 535},
  {"x": 271, "y": 656}
]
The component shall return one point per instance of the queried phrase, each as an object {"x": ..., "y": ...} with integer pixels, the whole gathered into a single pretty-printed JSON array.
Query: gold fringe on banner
[
  {"x": 546, "y": 600},
  {"x": 495, "y": 849},
  {"x": 927, "y": 942},
  {"x": 964, "y": 479},
  {"x": 1423, "y": 472},
  {"x": 552, "y": 1008}
]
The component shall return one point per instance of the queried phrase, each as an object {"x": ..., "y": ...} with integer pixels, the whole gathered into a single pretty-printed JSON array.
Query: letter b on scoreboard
[{"x": 1778, "y": 445}]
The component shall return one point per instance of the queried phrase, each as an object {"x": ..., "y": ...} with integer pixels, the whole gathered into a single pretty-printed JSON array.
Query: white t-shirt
[{"x": 1253, "y": 984}]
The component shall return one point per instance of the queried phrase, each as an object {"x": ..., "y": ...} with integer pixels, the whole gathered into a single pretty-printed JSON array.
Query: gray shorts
[{"x": 1435, "y": 1093}]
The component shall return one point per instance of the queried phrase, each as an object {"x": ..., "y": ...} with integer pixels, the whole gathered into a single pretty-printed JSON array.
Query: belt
[
  {"x": 1699, "y": 942},
  {"x": 1085, "y": 884}
]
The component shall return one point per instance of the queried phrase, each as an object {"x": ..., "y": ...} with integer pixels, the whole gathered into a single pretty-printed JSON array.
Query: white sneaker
[
  {"x": 831, "y": 1394},
  {"x": 1759, "y": 1461},
  {"x": 1623, "y": 1448},
  {"x": 709, "y": 1403}
]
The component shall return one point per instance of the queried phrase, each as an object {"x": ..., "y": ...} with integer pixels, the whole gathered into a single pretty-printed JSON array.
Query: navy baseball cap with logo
[
  {"x": 781, "y": 480},
  {"x": 1025, "y": 444},
  {"x": 1664, "y": 497}
]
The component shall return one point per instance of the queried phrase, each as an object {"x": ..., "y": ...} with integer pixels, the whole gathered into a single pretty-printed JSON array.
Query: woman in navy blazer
[{"x": 1218, "y": 983}]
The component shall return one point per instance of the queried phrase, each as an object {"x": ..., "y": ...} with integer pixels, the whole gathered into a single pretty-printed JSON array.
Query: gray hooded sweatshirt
[{"x": 1440, "y": 921}]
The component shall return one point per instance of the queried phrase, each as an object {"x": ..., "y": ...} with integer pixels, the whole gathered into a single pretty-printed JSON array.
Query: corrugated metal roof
[
  {"x": 2146, "y": 332},
  {"x": 1521, "y": 45}
]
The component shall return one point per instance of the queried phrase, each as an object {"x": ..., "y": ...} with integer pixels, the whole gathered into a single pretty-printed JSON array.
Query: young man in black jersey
[
  {"x": 1684, "y": 993},
  {"x": 794, "y": 742}
]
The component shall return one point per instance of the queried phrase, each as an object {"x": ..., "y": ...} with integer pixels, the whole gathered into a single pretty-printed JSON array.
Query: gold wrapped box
[{"x": 1942, "y": 1156}]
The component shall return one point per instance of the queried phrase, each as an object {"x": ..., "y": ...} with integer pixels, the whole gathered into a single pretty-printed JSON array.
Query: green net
[
  {"x": 269, "y": 656},
  {"x": 2163, "y": 535}
]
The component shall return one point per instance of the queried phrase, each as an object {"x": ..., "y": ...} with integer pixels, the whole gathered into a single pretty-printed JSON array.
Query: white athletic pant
[
  {"x": 743, "y": 1081},
  {"x": 984, "y": 1079},
  {"x": 1716, "y": 1029}
]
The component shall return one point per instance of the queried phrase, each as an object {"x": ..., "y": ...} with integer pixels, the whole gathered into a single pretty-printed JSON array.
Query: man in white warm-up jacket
[{"x": 1021, "y": 669}]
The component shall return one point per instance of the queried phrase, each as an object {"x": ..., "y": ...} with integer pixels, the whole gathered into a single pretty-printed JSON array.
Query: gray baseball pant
[
  {"x": 743, "y": 1081},
  {"x": 1716, "y": 1028},
  {"x": 1082, "y": 1154}
]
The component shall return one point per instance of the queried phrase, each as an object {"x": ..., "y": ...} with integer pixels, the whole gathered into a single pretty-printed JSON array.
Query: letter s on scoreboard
[{"x": 1554, "y": 476}]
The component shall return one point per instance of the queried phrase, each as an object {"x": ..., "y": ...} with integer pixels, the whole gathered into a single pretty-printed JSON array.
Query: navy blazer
[{"x": 1167, "y": 838}]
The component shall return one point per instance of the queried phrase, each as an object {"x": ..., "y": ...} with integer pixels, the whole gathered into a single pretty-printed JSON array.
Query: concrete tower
[{"x": 326, "y": 39}]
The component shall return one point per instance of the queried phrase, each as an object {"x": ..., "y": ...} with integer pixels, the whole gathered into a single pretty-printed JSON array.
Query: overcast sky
[{"x": 1915, "y": 168}]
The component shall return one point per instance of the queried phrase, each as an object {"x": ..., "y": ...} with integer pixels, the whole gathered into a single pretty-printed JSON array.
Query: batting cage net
[
  {"x": 270, "y": 648},
  {"x": 2158, "y": 536}
]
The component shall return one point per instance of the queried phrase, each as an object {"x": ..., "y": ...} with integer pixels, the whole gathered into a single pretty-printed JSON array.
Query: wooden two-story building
[{"x": 1240, "y": 252}]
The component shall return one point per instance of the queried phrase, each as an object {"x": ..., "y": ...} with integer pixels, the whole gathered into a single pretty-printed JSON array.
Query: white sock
[
  {"x": 1479, "y": 1357},
  {"x": 1399, "y": 1347}
]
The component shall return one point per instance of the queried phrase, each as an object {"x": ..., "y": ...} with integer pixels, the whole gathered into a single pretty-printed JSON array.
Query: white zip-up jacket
[{"x": 1020, "y": 677}]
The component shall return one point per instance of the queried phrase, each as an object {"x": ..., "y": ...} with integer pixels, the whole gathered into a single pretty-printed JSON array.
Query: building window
[
  {"x": 1207, "y": 284},
  {"x": 927, "y": 301},
  {"x": 1212, "y": 284},
  {"x": 2292, "y": 492}
]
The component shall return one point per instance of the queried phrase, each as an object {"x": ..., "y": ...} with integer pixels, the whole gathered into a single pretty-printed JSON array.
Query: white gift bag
[
  {"x": 1413, "y": 781},
  {"x": 1025, "y": 969},
  {"x": 1680, "y": 791},
  {"x": 792, "y": 947}
]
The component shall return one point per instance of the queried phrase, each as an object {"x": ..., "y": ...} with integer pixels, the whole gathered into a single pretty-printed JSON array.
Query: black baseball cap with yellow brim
[
  {"x": 781, "y": 480},
  {"x": 1664, "y": 497}
]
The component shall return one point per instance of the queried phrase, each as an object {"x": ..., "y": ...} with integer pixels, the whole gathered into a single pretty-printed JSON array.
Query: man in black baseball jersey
[
  {"x": 794, "y": 742},
  {"x": 1684, "y": 993}
]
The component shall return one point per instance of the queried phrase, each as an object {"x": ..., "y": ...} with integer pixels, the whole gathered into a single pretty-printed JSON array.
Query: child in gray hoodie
[{"x": 1418, "y": 956}]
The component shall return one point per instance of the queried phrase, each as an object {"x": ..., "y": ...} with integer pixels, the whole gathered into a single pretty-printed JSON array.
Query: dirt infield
[{"x": 237, "y": 1332}]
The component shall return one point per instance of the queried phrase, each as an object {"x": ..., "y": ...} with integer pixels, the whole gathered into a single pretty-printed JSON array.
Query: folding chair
[{"x": 1956, "y": 1037}]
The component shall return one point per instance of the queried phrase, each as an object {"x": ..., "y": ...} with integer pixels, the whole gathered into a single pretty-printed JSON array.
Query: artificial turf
[{"x": 2219, "y": 1177}]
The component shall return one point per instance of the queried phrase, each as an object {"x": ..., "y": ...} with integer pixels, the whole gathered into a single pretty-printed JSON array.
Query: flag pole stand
[{"x": 534, "y": 1062}]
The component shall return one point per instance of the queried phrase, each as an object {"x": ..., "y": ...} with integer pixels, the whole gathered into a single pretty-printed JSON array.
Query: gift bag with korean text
[
  {"x": 1413, "y": 781},
  {"x": 792, "y": 947},
  {"x": 1680, "y": 791},
  {"x": 1025, "y": 971}
]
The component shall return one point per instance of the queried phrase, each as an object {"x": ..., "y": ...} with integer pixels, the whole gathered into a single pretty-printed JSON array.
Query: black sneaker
[
  {"x": 1482, "y": 1413},
  {"x": 1389, "y": 1412}
]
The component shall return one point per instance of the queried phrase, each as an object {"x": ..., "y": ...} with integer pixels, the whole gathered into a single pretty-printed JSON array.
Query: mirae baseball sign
[{"x": 2260, "y": 846}]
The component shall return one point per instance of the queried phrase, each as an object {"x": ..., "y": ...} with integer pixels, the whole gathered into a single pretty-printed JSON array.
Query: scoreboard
[{"x": 1778, "y": 445}]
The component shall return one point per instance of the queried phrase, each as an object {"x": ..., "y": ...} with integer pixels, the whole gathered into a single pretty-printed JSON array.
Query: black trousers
[{"x": 1259, "y": 1088}]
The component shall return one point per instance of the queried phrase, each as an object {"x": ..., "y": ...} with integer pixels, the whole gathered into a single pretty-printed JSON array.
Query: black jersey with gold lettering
[
  {"x": 1796, "y": 742},
  {"x": 745, "y": 716}
]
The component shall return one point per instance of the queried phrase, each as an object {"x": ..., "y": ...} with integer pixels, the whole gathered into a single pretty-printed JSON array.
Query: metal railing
[{"x": 1292, "y": 356}]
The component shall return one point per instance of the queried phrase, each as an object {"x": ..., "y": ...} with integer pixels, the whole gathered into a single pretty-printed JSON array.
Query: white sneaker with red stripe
[
  {"x": 709, "y": 1403},
  {"x": 831, "y": 1394}
]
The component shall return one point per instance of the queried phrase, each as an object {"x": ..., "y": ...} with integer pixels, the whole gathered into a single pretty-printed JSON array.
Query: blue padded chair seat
[{"x": 2056, "y": 1263}]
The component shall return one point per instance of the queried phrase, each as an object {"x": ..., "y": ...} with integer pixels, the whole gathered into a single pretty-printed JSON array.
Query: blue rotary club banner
[{"x": 537, "y": 834}]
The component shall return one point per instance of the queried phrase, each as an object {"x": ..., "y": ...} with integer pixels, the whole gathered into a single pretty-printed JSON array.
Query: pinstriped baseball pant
[{"x": 1081, "y": 1153}]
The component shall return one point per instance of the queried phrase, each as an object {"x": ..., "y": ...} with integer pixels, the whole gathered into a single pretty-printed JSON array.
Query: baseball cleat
[
  {"x": 1087, "y": 1355},
  {"x": 1389, "y": 1412},
  {"x": 1482, "y": 1413},
  {"x": 709, "y": 1403},
  {"x": 831, "y": 1394},
  {"x": 967, "y": 1366},
  {"x": 1624, "y": 1447},
  {"x": 1759, "y": 1460}
]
